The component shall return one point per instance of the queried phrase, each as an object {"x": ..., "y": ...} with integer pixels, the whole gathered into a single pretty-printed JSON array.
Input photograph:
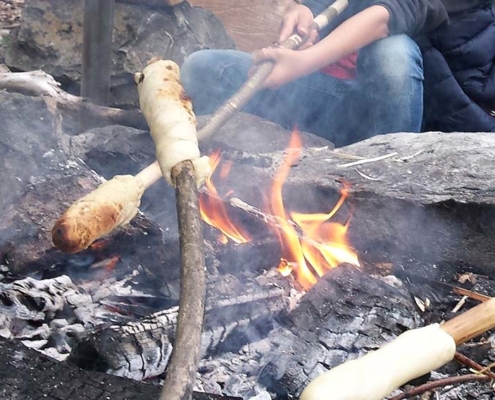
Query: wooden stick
[
  {"x": 473, "y": 364},
  {"x": 455, "y": 380},
  {"x": 471, "y": 323},
  {"x": 262, "y": 71},
  {"x": 149, "y": 175},
  {"x": 97, "y": 52},
  {"x": 181, "y": 371},
  {"x": 40, "y": 83},
  {"x": 410, "y": 355}
]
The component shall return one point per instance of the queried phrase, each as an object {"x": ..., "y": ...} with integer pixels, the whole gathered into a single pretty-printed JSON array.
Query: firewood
[
  {"x": 40, "y": 83},
  {"x": 411, "y": 355},
  {"x": 149, "y": 175}
]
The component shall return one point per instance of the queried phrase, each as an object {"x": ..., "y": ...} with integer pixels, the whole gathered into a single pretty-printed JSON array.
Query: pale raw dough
[
  {"x": 379, "y": 373},
  {"x": 112, "y": 204},
  {"x": 169, "y": 114}
]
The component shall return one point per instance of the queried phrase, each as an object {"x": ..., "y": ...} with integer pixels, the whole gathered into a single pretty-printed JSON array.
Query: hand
[
  {"x": 289, "y": 65},
  {"x": 298, "y": 20}
]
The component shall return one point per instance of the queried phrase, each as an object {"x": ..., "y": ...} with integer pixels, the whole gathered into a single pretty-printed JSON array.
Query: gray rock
[
  {"x": 28, "y": 145},
  {"x": 50, "y": 38}
]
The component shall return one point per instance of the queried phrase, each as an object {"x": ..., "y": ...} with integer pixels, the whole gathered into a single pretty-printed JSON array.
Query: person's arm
[
  {"x": 358, "y": 31},
  {"x": 352, "y": 35}
]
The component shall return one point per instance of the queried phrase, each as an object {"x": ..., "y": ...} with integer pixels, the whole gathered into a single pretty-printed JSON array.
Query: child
[{"x": 387, "y": 95}]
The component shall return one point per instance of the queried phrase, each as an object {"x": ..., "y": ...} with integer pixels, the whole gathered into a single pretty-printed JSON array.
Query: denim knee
[
  {"x": 195, "y": 66},
  {"x": 393, "y": 61},
  {"x": 209, "y": 77}
]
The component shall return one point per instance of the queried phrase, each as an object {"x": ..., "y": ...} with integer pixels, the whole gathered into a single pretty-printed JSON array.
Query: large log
[
  {"x": 141, "y": 349},
  {"x": 346, "y": 314},
  {"x": 27, "y": 374},
  {"x": 429, "y": 199}
]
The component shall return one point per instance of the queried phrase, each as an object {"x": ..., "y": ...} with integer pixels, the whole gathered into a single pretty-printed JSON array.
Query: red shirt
[{"x": 344, "y": 68}]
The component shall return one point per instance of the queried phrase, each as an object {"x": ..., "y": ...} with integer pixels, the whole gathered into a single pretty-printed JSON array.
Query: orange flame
[
  {"x": 291, "y": 246},
  {"x": 213, "y": 210},
  {"x": 325, "y": 243}
]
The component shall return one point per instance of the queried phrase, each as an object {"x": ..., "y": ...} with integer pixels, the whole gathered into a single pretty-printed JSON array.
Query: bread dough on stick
[
  {"x": 170, "y": 117},
  {"x": 112, "y": 204},
  {"x": 379, "y": 373}
]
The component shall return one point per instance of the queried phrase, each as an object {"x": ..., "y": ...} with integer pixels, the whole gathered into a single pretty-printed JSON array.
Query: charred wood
[
  {"x": 346, "y": 314},
  {"x": 141, "y": 349},
  {"x": 27, "y": 374}
]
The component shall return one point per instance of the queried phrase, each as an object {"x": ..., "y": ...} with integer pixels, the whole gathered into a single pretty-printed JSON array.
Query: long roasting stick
[
  {"x": 181, "y": 372},
  {"x": 412, "y": 354},
  {"x": 173, "y": 129},
  {"x": 109, "y": 207}
]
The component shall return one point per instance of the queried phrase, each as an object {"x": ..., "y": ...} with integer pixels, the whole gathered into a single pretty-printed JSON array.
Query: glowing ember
[
  {"x": 213, "y": 210},
  {"x": 325, "y": 243}
]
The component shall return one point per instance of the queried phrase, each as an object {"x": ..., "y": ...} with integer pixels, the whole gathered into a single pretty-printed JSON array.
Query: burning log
[
  {"x": 141, "y": 349},
  {"x": 411, "y": 355}
]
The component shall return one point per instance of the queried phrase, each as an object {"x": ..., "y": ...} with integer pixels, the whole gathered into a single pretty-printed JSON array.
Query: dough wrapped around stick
[
  {"x": 112, "y": 204},
  {"x": 170, "y": 118},
  {"x": 376, "y": 375},
  {"x": 412, "y": 354}
]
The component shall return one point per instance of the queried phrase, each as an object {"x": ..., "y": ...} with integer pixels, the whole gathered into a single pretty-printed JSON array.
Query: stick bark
[
  {"x": 184, "y": 362},
  {"x": 39, "y": 83},
  {"x": 471, "y": 323},
  {"x": 455, "y": 380}
]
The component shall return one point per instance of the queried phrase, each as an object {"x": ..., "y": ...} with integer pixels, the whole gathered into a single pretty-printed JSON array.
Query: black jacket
[{"x": 457, "y": 38}]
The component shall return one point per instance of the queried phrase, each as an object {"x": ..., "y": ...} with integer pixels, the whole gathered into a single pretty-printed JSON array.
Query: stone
[{"x": 51, "y": 32}]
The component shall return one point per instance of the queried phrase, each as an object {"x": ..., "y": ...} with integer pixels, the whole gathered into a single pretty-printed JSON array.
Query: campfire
[
  {"x": 317, "y": 262},
  {"x": 311, "y": 244},
  {"x": 293, "y": 289}
]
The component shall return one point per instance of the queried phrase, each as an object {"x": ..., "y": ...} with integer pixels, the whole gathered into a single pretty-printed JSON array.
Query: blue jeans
[{"x": 386, "y": 97}]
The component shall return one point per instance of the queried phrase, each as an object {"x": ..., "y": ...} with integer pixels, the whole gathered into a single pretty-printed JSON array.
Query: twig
[
  {"x": 487, "y": 368},
  {"x": 460, "y": 304},
  {"x": 470, "y": 294},
  {"x": 346, "y": 156},
  {"x": 473, "y": 364},
  {"x": 454, "y": 380},
  {"x": 366, "y": 176},
  {"x": 367, "y": 160},
  {"x": 181, "y": 372},
  {"x": 40, "y": 83},
  {"x": 411, "y": 156}
]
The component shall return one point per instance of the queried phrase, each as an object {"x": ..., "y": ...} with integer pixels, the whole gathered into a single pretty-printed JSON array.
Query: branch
[
  {"x": 455, "y": 380},
  {"x": 39, "y": 83},
  {"x": 181, "y": 372}
]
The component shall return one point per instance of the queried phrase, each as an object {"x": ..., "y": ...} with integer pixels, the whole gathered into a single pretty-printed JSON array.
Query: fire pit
[{"x": 315, "y": 256}]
